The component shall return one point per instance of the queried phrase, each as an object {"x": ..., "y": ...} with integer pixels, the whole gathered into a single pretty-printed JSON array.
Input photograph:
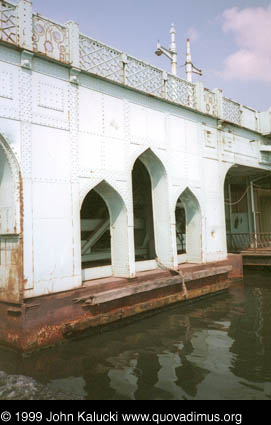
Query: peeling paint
[{"x": 46, "y": 320}]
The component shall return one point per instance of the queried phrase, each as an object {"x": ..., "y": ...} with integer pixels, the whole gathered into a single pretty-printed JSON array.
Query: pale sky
[{"x": 230, "y": 40}]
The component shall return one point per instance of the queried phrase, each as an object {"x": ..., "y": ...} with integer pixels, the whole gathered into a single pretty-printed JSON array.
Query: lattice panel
[
  {"x": 181, "y": 91},
  {"x": 210, "y": 102},
  {"x": 144, "y": 77},
  {"x": 231, "y": 111},
  {"x": 100, "y": 59},
  {"x": 50, "y": 39},
  {"x": 8, "y": 24}
]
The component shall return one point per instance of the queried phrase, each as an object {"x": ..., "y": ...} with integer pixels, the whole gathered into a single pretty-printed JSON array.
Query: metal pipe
[
  {"x": 171, "y": 53},
  {"x": 173, "y": 50},
  {"x": 253, "y": 212},
  {"x": 230, "y": 212},
  {"x": 188, "y": 63}
]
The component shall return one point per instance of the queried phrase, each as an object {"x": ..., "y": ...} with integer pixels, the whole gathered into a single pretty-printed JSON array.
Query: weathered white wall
[{"x": 69, "y": 138}]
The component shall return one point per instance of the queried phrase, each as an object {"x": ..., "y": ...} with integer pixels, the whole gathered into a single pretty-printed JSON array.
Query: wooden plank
[{"x": 127, "y": 291}]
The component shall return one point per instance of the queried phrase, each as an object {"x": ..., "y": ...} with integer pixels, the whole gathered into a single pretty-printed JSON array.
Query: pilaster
[
  {"x": 199, "y": 96},
  {"x": 73, "y": 30},
  {"x": 219, "y": 102},
  {"x": 24, "y": 15}
]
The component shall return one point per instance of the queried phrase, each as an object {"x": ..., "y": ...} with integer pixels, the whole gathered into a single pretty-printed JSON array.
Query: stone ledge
[{"x": 114, "y": 294}]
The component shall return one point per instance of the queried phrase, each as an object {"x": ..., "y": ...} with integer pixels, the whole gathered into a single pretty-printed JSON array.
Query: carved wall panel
[
  {"x": 210, "y": 102},
  {"x": 50, "y": 39},
  {"x": 8, "y": 23}
]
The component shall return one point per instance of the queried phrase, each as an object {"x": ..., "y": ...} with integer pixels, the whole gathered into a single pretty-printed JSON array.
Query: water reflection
[
  {"x": 251, "y": 336},
  {"x": 218, "y": 348}
]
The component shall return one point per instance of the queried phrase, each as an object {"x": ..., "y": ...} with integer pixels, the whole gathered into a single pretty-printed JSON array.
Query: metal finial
[
  {"x": 172, "y": 28},
  {"x": 171, "y": 53},
  {"x": 189, "y": 67}
]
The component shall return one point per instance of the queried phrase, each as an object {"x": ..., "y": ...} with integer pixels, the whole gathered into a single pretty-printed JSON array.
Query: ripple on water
[{"x": 218, "y": 348}]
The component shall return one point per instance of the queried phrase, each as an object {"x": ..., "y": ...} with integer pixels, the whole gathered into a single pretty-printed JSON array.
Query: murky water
[{"x": 217, "y": 348}]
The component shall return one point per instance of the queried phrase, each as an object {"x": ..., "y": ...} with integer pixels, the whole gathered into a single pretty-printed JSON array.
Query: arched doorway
[
  {"x": 95, "y": 231},
  {"x": 180, "y": 228},
  {"x": 152, "y": 227},
  {"x": 247, "y": 199},
  {"x": 11, "y": 244},
  {"x": 104, "y": 234},
  {"x": 143, "y": 213},
  {"x": 188, "y": 228}
]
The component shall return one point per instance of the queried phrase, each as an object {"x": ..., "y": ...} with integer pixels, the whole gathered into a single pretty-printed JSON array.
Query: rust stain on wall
[{"x": 46, "y": 320}]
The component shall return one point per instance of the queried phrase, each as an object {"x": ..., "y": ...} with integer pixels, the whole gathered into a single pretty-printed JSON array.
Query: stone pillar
[
  {"x": 199, "y": 95},
  {"x": 124, "y": 61},
  {"x": 161, "y": 208},
  {"x": 25, "y": 107},
  {"x": 165, "y": 85},
  {"x": 265, "y": 121},
  {"x": 24, "y": 15},
  {"x": 73, "y": 30},
  {"x": 219, "y": 102}
]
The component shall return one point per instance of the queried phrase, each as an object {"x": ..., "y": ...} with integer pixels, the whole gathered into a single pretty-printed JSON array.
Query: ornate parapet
[{"x": 63, "y": 43}]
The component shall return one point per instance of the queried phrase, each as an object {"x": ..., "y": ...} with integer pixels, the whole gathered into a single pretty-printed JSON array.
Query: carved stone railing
[
  {"x": 142, "y": 76},
  {"x": 51, "y": 39},
  {"x": 100, "y": 59},
  {"x": 8, "y": 23},
  {"x": 181, "y": 91},
  {"x": 210, "y": 102},
  {"x": 64, "y": 43},
  {"x": 231, "y": 111}
]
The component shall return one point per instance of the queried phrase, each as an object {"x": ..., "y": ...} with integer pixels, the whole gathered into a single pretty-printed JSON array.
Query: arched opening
[
  {"x": 152, "y": 231},
  {"x": 11, "y": 258},
  {"x": 7, "y": 207},
  {"x": 143, "y": 213},
  {"x": 180, "y": 227},
  {"x": 95, "y": 231},
  {"x": 104, "y": 234},
  {"x": 247, "y": 198},
  {"x": 188, "y": 228}
]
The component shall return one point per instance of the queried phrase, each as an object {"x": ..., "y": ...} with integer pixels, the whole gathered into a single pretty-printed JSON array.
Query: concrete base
[
  {"x": 259, "y": 257},
  {"x": 236, "y": 261},
  {"x": 46, "y": 320}
]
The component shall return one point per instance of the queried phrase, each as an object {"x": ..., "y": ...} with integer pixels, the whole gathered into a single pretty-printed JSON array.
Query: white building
[{"x": 91, "y": 141}]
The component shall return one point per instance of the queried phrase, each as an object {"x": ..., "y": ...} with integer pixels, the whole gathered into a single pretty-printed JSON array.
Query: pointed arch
[
  {"x": 116, "y": 221},
  {"x": 10, "y": 190},
  {"x": 160, "y": 206},
  {"x": 193, "y": 225},
  {"x": 150, "y": 159},
  {"x": 11, "y": 265}
]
